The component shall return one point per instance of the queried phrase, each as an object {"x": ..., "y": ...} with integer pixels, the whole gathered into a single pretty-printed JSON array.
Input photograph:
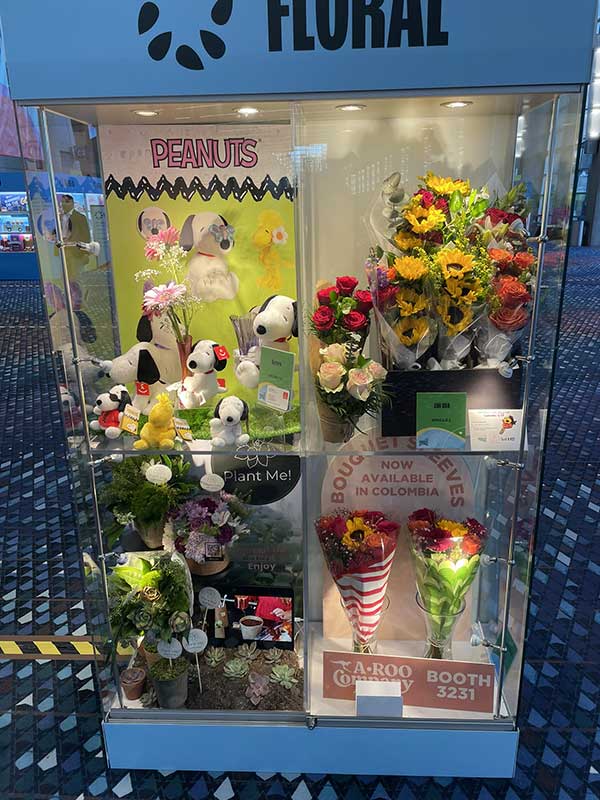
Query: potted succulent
[
  {"x": 203, "y": 528},
  {"x": 170, "y": 679},
  {"x": 132, "y": 682},
  {"x": 142, "y": 493},
  {"x": 149, "y": 601}
]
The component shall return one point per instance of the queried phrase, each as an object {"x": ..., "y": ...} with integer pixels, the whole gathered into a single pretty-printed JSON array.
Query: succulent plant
[
  {"x": 284, "y": 676},
  {"x": 258, "y": 687},
  {"x": 273, "y": 655},
  {"x": 148, "y": 699},
  {"x": 237, "y": 668},
  {"x": 248, "y": 651},
  {"x": 214, "y": 656}
]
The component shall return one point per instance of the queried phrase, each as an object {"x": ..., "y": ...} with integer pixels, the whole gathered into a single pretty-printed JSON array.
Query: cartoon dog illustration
[
  {"x": 152, "y": 221},
  {"x": 268, "y": 238},
  {"x": 211, "y": 238}
]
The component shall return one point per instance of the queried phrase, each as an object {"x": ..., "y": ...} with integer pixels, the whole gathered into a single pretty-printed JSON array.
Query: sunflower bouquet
[
  {"x": 446, "y": 556},
  {"x": 359, "y": 549}
]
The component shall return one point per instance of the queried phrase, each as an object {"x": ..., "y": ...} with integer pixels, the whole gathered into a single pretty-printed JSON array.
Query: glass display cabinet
[{"x": 305, "y": 350}]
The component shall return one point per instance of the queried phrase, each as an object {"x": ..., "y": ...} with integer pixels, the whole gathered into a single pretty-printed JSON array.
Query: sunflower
[
  {"x": 432, "y": 219},
  {"x": 411, "y": 268},
  {"x": 455, "y": 528},
  {"x": 357, "y": 531},
  {"x": 445, "y": 186},
  {"x": 410, "y": 330},
  {"x": 454, "y": 263},
  {"x": 462, "y": 291},
  {"x": 410, "y": 302},
  {"x": 455, "y": 316},
  {"x": 404, "y": 241}
]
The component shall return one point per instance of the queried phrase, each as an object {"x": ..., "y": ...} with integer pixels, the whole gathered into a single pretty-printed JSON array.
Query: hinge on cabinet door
[
  {"x": 512, "y": 464},
  {"x": 115, "y": 457},
  {"x": 477, "y": 641},
  {"x": 542, "y": 238},
  {"x": 487, "y": 560},
  {"x": 524, "y": 359},
  {"x": 311, "y": 723}
]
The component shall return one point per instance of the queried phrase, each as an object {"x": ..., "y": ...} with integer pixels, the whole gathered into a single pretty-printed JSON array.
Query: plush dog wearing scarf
[
  {"x": 205, "y": 361},
  {"x": 275, "y": 324}
]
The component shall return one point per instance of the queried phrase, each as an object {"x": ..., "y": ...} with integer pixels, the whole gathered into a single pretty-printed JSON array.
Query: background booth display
[{"x": 305, "y": 348}]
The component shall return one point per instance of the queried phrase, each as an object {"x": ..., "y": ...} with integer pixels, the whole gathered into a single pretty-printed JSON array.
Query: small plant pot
[
  {"x": 251, "y": 627},
  {"x": 334, "y": 429},
  {"x": 171, "y": 691},
  {"x": 132, "y": 682},
  {"x": 208, "y": 567},
  {"x": 151, "y": 656},
  {"x": 151, "y": 535}
]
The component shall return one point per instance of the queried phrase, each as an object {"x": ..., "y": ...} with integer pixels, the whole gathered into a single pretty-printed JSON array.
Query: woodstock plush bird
[
  {"x": 159, "y": 431},
  {"x": 269, "y": 237}
]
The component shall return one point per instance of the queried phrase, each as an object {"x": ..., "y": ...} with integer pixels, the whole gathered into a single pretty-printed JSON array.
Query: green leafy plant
[
  {"x": 284, "y": 675},
  {"x": 147, "y": 598},
  {"x": 166, "y": 670},
  {"x": 237, "y": 668},
  {"x": 214, "y": 656},
  {"x": 273, "y": 656},
  {"x": 248, "y": 651}
]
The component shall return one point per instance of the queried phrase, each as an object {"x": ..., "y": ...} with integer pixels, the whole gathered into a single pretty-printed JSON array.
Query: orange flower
[
  {"x": 500, "y": 256},
  {"x": 524, "y": 261},
  {"x": 374, "y": 540},
  {"x": 471, "y": 545},
  {"x": 392, "y": 274}
]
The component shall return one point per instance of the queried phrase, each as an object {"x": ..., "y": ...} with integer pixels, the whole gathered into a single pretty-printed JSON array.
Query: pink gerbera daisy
[
  {"x": 169, "y": 236},
  {"x": 160, "y": 298}
]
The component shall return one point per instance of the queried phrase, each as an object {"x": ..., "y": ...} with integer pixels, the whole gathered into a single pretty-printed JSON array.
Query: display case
[{"x": 305, "y": 369}]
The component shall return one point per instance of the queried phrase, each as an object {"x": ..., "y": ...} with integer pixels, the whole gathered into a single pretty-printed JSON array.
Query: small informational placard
[
  {"x": 424, "y": 682},
  {"x": 212, "y": 482},
  {"x": 172, "y": 649},
  {"x": 495, "y": 428},
  {"x": 130, "y": 420},
  {"x": 276, "y": 377},
  {"x": 183, "y": 430},
  {"x": 196, "y": 641},
  {"x": 209, "y": 597},
  {"x": 441, "y": 420}
]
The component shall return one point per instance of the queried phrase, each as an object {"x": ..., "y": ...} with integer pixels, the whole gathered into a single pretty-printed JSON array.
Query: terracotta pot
[
  {"x": 132, "y": 682},
  {"x": 151, "y": 535},
  {"x": 333, "y": 427},
  {"x": 208, "y": 567},
  {"x": 150, "y": 657}
]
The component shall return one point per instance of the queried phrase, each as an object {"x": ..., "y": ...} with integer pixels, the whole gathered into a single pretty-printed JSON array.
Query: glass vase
[
  {"x": 363, "y": 642},
  {"x": 440, "y": 623}
]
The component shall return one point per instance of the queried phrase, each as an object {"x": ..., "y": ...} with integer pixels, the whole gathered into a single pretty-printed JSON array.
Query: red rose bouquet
[
  {"x": 359, "y": 549},
  {"x": 342, "y": 313},
  {"x": 446, "y": 558}
]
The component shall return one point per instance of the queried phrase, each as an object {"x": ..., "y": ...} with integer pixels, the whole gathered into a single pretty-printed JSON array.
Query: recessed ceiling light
[
  {"x": 457, "y": 104},
  {"x": 247, "y": 111},
  {"x": 146, "y": 113},
  {"x": 181, "y": 118},
  {"x": 351, "y": 107}
]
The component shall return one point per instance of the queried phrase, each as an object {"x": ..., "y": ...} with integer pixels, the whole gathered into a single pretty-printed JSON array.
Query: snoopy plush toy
[
  {"x": 206, "y": 359},
  {"x": 226, "y": 427},
  {"x": 211, "y": 238},
  {"x": 110, "y": 407},
  {"x": 275, "y": 323}
]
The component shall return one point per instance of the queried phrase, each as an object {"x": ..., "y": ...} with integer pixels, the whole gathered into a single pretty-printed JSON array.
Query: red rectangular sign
[{"x": 425, "y": 682}]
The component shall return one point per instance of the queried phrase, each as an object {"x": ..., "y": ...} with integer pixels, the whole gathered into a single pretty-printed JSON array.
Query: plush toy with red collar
[
  {"x": 275, "y": 324},
  {"x": 109, "y": 408},
  {"x": 204, "y": 362}
]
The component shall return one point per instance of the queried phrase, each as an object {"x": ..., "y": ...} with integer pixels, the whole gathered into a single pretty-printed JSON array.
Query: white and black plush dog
[
  {"x": 109, "y": 408},
  {"x": 206, "y": 359},
  {"x": 275, "y": 323},
  {"x": 152, "y": 365},
  {"x": 226, "y": 427},
  {"x": 211, "y": 238},
  {"x": 152, "y": 221}
]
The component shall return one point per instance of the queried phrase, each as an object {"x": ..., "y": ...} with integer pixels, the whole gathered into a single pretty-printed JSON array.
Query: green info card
[
  {"x": 441, "y": 420},
  {"x": 276, "y": 378}
]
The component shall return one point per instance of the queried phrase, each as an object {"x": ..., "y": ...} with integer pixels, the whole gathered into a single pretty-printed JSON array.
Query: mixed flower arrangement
[
  {"x": 173, "y": 300},
  {"x": 202, "y": 522},
  {"x": 446, "y": 556},
  {"x": 456, "y": 266}
]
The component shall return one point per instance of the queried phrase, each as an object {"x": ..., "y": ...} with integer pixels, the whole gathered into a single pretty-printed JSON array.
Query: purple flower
[
  {"x": 226, "y": 534},
  {"x": 382, "y": 279}
]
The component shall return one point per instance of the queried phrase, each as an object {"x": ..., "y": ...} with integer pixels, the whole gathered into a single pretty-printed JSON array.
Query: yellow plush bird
[{"x": 159, "y": 431}]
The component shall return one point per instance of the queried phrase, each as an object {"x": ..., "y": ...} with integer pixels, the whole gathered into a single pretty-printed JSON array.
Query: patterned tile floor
[{"x": 50, "y": 742}]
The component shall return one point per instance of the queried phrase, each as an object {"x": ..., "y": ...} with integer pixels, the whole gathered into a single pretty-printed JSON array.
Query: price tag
[
  {"x": 276, "y": 378},
  {"x": 210, "y": 598},
  {"x": 172, "y": 649},
  {"x": 130, "y": 420},
  {"x": 183, "y": 429},
  {"x": 211, "y": 482},
  {"x": 196, "y": 641},
  {"x": 441, "y": 420}
]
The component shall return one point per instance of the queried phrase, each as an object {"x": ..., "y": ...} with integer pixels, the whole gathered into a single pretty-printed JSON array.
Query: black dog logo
[{"x": 186, "y": 55}]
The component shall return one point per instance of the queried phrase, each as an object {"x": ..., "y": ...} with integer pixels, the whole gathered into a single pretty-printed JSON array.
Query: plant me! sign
[{"x": 364, "y": 23}]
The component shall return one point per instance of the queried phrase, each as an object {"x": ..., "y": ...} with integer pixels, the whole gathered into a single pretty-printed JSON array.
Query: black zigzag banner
[{"x": 180, "y": 188}]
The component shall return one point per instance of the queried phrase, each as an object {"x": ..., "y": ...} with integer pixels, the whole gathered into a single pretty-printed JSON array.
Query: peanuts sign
[{"x": 427, "y": 683}]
